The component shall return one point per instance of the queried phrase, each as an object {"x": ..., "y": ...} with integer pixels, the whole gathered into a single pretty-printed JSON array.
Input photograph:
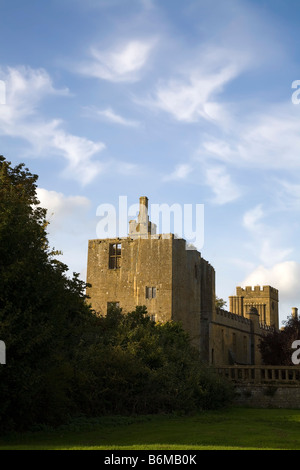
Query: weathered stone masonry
[{"x": 177, "y": 284}]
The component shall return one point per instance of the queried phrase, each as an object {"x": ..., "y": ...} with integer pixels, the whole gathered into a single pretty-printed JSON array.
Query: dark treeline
[
  {"x": 62, "y": 359},
  {"x": 278, "y": 348}
]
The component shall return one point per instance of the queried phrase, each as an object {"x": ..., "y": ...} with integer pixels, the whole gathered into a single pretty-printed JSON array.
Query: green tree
[
  {"x": 220, "y": 303},
  {"x": 276, "y": 346},
  {"x": 139, "y": 366},
  {"x": 40, "y": 307}
]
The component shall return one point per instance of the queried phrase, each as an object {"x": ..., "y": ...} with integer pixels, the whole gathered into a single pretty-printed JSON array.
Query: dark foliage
[
  {"x": 138, "y": 366},
  {"x": 276, "y": 347}
]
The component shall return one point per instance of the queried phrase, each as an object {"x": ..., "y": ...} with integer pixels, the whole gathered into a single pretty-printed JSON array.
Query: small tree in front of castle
[{"x": 220, "y": 303}]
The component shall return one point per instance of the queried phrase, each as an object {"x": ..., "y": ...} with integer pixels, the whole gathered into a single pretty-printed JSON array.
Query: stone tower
[
  {"x": 155, "y": 270},
  {"x": 264, "y": 299}
]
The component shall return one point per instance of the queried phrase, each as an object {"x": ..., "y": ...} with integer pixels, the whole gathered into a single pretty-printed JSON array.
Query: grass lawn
[{"x": 233, "y": 428}]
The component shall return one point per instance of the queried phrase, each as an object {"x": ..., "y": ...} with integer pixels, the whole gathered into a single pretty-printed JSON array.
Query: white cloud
[
  {"x": 291, "y": 189},
  {"x": 20, "y": 117},
  {"x": 191, "y": 94},
  {"x": 252, "y": 218},
  {"x": 266, "y": 139},
  {"x": 189, "y": 99},
  {"x": 180, "y": 173},
  {"x": 123, "y": 63},
  {"x": 221, "y": 184},
  {"x": 266, "y": 240},
  {"x": 63, "y": 212},
  {"x": 110, "y": 115},
  {"x": 79, "y": 152},
  {"x": 288, "y": 195},
  {"x": 284, "y": 277},
  {"x": 127, "y": 169},
  {"x": 25, "y": 88},
  {"x": 70, "y": 226},
  {"x": 215, "y": 177}
]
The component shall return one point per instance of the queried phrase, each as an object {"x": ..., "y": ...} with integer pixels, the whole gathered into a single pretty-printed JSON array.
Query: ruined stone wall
[
  {"x": 183, "y": 282},
  {"x": 144, "y": 263}
]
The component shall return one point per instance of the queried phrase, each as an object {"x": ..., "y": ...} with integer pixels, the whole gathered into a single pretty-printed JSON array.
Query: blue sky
[{"x": 185, "y": 102}]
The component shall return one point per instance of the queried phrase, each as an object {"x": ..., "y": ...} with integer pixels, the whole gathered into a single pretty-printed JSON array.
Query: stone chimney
[
  {"x": 295, "y": 313},
  {"x": 143, "y": 228},
  {"x": 143, "y": 217}
]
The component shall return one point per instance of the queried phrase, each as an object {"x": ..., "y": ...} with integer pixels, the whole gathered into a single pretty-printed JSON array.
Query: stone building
[
  {"x": 265, "y": 300},
  {"x": 174, "y": 283}
]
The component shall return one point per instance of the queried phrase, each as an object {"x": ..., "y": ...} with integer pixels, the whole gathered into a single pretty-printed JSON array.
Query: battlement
[
  {"x": 164, "y": 236},
  {"x": 264, "y": 299},
  {"x": 233, "y": 316},
  {"x": 259, "y": 290},
  {"x": 240, "y": 290}
]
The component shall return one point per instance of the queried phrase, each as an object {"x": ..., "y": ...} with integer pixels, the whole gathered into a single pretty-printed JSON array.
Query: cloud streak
[
  {"x": 121, "y": 63},
  {"x": 220, "y": 182},
  {"x": 181, "y": 172},
  {"x": 20, "y": 117},
  {"x": 265, "y": 139},
  {"x": 266, "y": 240},
  {"x": 192, "y": 93},
  {"x": 108, "y": 114}
]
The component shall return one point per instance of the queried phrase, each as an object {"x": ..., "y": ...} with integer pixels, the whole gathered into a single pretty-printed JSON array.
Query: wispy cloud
[
  {"x": 108, "y": 114},
  {"x": 25, "y": 89},
  {"x": 120, "y": 63},
  {"x": 265, "y": 240},
  {"x": 181, "y": 172},
  {"x": 288, "y": 194},
  {"x": 220, "y": 182},
  {"x": 215, "y": 176},
  {"x": 192, "y": 92},
  {"x": 21, "y": 117},
  {"x": 252, "y": 219},
  {"x": 267, "y": 138}
]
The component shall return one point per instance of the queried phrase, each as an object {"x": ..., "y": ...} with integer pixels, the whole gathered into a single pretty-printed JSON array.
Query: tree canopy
[
  {"x": 276, "y": 346},
  {"x": 40, "y": 307}
]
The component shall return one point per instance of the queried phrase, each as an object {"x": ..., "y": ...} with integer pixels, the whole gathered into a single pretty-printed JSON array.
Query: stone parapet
[{"x": 282, "y": 375}]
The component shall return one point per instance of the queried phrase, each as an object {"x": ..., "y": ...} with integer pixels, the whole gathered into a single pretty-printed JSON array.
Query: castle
[{"x": 156, "y": 270}]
